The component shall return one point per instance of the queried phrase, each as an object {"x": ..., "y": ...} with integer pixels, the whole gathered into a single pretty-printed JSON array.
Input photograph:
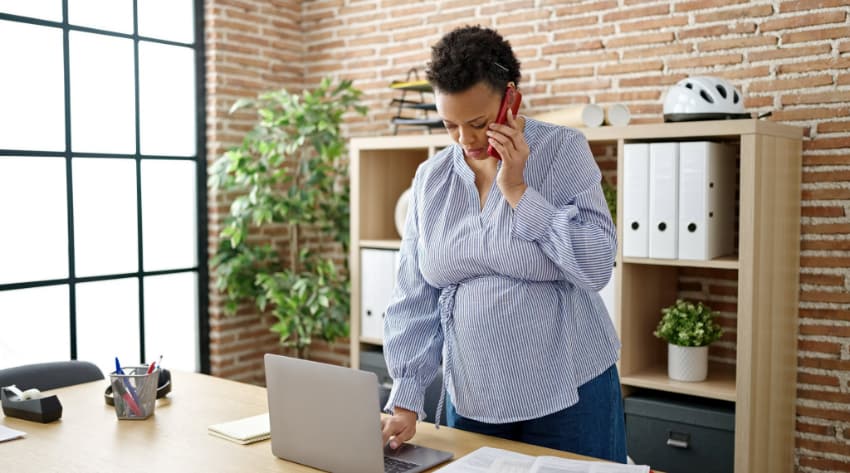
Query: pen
[
  {"x": 151, "y": 367},
  {"x": 119, "y": 389},
  {"x": 127, "y": 382}
]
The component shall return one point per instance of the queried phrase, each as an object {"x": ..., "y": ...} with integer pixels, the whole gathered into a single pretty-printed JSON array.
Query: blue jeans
[{"x": 595, "y": 426}]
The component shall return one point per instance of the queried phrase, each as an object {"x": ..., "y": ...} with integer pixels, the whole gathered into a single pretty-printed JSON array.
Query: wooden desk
[{"x": 89, "y": 438}]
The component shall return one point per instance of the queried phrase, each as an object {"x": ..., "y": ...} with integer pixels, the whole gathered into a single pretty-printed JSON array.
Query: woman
[{"x": 500, "y": 266}]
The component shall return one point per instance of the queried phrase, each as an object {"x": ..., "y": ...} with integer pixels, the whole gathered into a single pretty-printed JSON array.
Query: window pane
[
  {"x": 34, "y": 326},
  {"x": 33, "y": 203},
  {"x": 32, "y": 114},
  {"x": 44, "y": 9},
  {"x": 105, "y": 235},
  {"x": 112, "y": 15},
  {"x": 169, "y": 217},
  {"x": 108, "y": 322},
  {"x": 166, "y": 99},
  {"x": 167, "y": 19},
  {"x": 102, "y": 94},
  {"x": 171, "y": 320}
]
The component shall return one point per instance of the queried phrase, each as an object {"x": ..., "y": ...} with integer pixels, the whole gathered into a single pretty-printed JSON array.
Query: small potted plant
[{"x": 688, "y": 328}]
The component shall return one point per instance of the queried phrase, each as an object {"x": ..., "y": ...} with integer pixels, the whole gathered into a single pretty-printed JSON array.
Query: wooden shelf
[
  {"x": 761, "y": 382},
  {"x": 720, "y": 383},
  {"x": 372, "y": 341},
  {"x": 724, "y": 262},
  {"x": 381, "y": 244}
]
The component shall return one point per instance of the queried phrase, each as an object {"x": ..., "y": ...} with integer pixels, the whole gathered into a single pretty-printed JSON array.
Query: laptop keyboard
[{"x": 394, "y": 465}]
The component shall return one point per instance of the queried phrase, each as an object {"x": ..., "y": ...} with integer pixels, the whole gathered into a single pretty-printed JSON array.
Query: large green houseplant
[{"x": 288, "y": 172}]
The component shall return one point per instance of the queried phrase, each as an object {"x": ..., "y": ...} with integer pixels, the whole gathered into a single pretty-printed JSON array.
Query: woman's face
[{"x": 467, "y": 114}]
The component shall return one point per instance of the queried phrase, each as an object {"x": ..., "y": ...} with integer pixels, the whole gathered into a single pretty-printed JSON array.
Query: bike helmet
[{"x": 703, "y": 98}]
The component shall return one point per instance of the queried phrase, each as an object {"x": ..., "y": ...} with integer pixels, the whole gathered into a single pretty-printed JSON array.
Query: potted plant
[
  {"x": 688, "y": 328},
  {"x": 288, "y": 172}
]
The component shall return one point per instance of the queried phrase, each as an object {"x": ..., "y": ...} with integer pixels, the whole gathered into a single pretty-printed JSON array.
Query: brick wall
[
  {"x": 788, "y": 57},
  {"x": 251, "y": 46}
]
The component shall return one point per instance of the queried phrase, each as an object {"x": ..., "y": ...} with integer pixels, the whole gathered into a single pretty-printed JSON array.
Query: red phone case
[{"x": 513, "y": 97}]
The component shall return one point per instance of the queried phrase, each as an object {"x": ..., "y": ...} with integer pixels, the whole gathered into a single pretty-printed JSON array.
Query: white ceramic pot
[
  {"x": 401, "y": 211},
  {"x": 687, "y": 363}
]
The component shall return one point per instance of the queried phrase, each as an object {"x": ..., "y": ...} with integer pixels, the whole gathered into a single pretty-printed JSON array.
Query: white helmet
[{"x": 703, "y": 98}]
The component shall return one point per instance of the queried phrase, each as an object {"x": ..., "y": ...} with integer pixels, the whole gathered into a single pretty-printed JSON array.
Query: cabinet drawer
[{"x": 679, "y": 434}]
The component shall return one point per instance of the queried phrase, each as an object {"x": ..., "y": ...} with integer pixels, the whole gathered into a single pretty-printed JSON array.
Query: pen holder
[{"x": 134, "y": 393}]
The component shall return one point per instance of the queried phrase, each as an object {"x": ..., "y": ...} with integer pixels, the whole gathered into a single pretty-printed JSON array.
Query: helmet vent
[
  {"x": 735, "y": 98},
  {"x": 705, "y": 96},
  {"x": 689, "y": 85},
  {"x": 721, "y": 90}
]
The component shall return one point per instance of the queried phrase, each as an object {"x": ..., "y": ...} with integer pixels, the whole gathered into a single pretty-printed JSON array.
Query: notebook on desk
[
  {"x": 243, "y": 431},
  {"x": 328, "y": 417}
]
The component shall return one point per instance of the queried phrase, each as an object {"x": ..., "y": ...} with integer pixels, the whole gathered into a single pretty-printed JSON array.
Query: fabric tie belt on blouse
[{"x": 447, "y": 308}]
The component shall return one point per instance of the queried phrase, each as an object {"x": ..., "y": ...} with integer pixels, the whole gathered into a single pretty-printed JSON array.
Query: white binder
[
  {"x": 706, "y": 200},
  {"x": 377, "y": 280},
  {"x": 636, "y": 200},
  {"x": 663, "y": 200}
]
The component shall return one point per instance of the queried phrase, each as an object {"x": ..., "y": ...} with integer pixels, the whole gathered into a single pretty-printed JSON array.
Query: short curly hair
[{"x": 468, "y": 55}]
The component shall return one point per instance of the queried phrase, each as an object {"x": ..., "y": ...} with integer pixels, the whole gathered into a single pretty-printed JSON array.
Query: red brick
[
  {"x": 823, "y": 380},
  {"x": 827, "y": 143},
  {"x": 620, "y": 41},
  {"x": 824, "y": 296},
  {"x": 734, "y": 14},
  {"x": 787, "y": 84},
  {"x": 826, "y": 176},
  {"x": 585, "y": 33},
  {"x": 738, "y": 43},
  {"x": 503, "y": 7},
  {"x": 825, "y": 314},
  {"x": 820, "y": 413},
  {"x": 630, "y": 13},
  {"x": 827, "y": 348},
  {"x": 533, "y": 15},
  {"x": 826, "y": 194},
  {"x": 624, "y": 68},
  {"x": 831, "y": 211},
  {"x": 798, "y": 114},
  {"x": 793, "y": 52},
  {"x": 703, "y": 31},
  {"x": 825, "y": 364},
  {"x": 808, "y": 5},
  {"x": 802, "y": 21},
  {"x": 825, "y": 464},
  {"x": 705, "y": 5},
  {"x": 570, "y": 10},
  {"x": 572, "y": 46},
  {"x": 656, "y": 24},
  {"x": 705, "y": 61},
  {"x": 568, "y": 22},
  {"x": 658, "y": 51},
  {"x": 833, "y": 127},
  {"x": 652, "y": 80},
  {"x": 841, "y": 63},
  {"x": 816, "y": 35},
  {"x": 825, "y": 261}
]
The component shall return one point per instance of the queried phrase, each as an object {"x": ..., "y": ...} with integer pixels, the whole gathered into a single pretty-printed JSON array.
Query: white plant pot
[{"x": 687, "y": 363}]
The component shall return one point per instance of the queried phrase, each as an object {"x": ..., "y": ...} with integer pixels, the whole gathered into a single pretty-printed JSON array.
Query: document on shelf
[{"x": 497, "y": 460}]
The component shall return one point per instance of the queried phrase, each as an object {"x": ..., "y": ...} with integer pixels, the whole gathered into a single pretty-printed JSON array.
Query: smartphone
[{"x": 512, "y": 99}]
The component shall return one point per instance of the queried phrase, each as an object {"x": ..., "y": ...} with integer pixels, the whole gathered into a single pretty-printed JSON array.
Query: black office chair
[{"x": 51, "y": 375}]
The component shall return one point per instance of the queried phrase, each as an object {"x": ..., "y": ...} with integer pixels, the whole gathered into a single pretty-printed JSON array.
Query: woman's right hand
[{"x": 399, "y": 427}]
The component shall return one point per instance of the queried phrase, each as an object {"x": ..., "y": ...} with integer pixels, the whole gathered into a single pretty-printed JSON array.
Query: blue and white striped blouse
[{"x": 507, "y": 296}]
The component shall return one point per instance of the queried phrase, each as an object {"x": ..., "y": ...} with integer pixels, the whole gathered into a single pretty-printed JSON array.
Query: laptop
[{"x": 327, "y": 417}]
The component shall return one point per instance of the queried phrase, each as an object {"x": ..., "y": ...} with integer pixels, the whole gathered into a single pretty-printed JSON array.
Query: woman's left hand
[{"x": 509, "y": 141}]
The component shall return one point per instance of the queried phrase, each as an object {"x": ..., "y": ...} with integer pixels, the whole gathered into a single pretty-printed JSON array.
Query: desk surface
[{"x": 89, "y": 438}]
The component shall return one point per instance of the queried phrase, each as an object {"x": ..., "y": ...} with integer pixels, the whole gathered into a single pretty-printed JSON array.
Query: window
[{"x": 102, "y": 183}]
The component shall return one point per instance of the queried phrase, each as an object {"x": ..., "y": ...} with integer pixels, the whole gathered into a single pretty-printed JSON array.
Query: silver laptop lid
[{"x": 324, "y": 416}]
